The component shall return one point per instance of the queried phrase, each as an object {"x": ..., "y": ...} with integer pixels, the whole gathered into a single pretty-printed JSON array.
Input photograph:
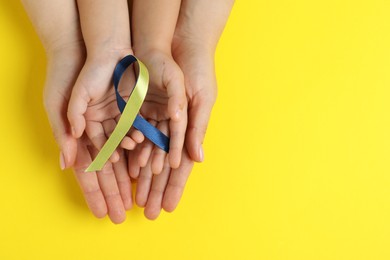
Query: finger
[
  {"x": 143, "y": 185},
  {"x": 176, "y": 183},
  {"x": 128, "y": 143},
  {"x": 77, "y": 107},
  {"x": 159, "y": 155},
  {"x": 96, "y": 132},
  {"x": 137, "y": 136},
  {"x": 109, "y": 127},
  {"x": 132, "y": 162},
  {"x": 177, "y": 109},
  {"x": 177, "y": 102},
  {"x": 144, "y": 154},
  {"x": 146, "y": 149},
  {"x": 112, "y": 196},
  {"x": 177, "y": 132},
  {"x": 132, "y": 138},
  {"x": 56, "y": 112},
  {"x": 123, "y": 181},
  {"x": 154, "y": 202},
  {"x": 88, "y": 182},
  {"x": 199, "y": 116}
]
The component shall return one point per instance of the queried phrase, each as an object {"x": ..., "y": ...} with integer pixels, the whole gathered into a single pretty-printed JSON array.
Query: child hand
[
  {"x": 164, "y": 191},
  {"x": 92, "y": 105},
  {"x": 108, "y": 192},
  {"x": 165, "y": 106}
]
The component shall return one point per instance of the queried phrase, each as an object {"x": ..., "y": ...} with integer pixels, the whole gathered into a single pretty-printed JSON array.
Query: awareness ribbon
[{"x": 129, "y": 115}]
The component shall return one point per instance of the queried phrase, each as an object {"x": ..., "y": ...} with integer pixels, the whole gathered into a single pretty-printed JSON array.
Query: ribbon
[{"x": 129, "y": 115}]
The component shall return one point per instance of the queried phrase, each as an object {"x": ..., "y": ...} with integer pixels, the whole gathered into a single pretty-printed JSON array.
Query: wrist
[
  {"x": 191, "y": 36},
  {"x": 108, "y": 55},
  {"x": 194, "y": 48},
  {"x": 142, "y": 49},
  {"x": 75, "y": 52}
]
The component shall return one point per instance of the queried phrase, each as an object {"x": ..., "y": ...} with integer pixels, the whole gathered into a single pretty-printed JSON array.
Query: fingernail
[
  {"x": 201, "y": 155},
  {"x": 62, "y": 161}
]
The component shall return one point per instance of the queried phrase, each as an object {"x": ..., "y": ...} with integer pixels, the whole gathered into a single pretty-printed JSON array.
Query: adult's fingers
[
  {"x": 123, "y": 181},
  {"x": 177, "y": 181},
  {"x": 143, "y": 185},
  {"x": 154, "y": 203},
  {"x": 88, "y": 181},
  {"x": 109, "y": 187}
]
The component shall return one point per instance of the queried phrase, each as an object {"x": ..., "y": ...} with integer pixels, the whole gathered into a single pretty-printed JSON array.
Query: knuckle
[
  {"x": 81, "y": 168},
  {"x": 157, "y": 189},
  {"x": 112, "y": 194},
  {"x": 199, "y": 130},
  {"x": 98, "y": 138},
  {"x": 107, "y": 170},
  {"x": 91, "y": 191}
]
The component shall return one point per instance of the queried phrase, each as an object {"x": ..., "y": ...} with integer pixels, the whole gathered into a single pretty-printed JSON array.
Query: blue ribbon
[{"x": 148, "y": 130}]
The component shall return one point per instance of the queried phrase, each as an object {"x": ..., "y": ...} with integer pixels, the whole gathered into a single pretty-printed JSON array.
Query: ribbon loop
[{"x": 129, "y": 117}]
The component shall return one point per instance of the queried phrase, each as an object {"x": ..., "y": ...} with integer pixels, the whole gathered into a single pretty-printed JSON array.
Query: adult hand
[
  {"x": 57, "y": 25},
  {"x": 193, "y": 48}
]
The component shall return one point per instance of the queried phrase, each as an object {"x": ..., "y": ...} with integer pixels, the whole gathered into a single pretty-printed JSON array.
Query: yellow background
[{"x": 297, "y": 152}]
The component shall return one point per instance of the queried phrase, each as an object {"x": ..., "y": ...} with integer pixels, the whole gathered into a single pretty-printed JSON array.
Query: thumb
[
  {"x": 199, "y": 115},
  {"x": 78, "y": 105},
  {"x": 61, "y": 131}
]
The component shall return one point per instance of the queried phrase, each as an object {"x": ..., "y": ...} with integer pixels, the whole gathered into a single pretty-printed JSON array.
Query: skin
[
  {"x": 153, "y": 26},
  {"x": 58, "y": 26},
  {"x": 193, "y": 47},
  {"x": 109, "y": 192},
  {"x": 92, "y": 105}
]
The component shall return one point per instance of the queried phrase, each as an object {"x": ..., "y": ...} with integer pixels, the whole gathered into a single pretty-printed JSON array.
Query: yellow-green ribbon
[{"x": 128, "y": 115}]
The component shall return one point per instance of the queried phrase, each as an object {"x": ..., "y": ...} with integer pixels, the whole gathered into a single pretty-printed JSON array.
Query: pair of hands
[{"x": 109, "y": 191}]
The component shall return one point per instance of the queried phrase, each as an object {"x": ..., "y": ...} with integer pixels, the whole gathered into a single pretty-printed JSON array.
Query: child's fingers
[
  {"x": 176, "y": 183},
  {"x": 143, "y": 185},
  {"x": 96, "y": 132},
  {"x": 146, "y": 149},
  {"x": 144, "y": 154},
  {"x": 177, "y": 132},
  {"x": 130, "y": 141},
  {"x": 199, "y": 116},
  {"x": 137, "y": 136},
  {"x": 108, "y": 184},
  {"x": 77, "y": 107},
  {"x": 88, "y": 182},
  {"x": 123, "y": 181},
  {"x": 154, "y": 202},
  {"x": 132, "y": 162},
  {"x": 177, "y": 103},
  {"x": 177, "y": 109},
  {"x": 132, "y": 138},
  {"x": 158, "y": 156}
]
